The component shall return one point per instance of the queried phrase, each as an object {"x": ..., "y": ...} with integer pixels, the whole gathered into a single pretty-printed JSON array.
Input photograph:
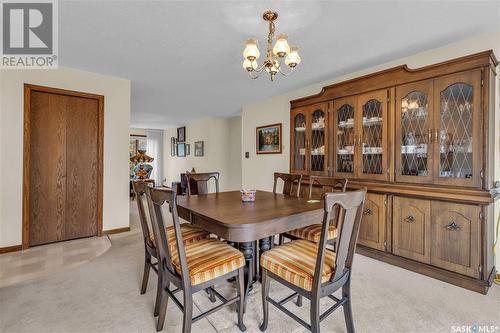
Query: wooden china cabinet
[{"x": 421, "y": 141}]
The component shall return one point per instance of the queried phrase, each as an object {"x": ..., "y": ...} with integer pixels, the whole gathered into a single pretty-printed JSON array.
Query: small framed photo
[
  {"x": 181, "y": 149},
  {"x": 268, "y": 139},
  {"x": 198, "y": 148},
  {"x": 188, "y": 149},
  {"x": 181, "y": 134},
  {"x": 173, "y": 144}
]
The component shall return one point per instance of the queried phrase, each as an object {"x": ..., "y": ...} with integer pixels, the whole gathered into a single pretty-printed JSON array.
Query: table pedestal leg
[
  {"x": 264, "y": 245},
  {"x": 247, "y": 249}
]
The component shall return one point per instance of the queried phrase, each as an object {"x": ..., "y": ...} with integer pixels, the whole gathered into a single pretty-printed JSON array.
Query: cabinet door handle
[
  {"x": 429, "y": 135},
  {"x": 367, "y": 211},
  {"x": 436, "y": 135},
  {"x": 453, "y": 226},
  {"x": 409, "y": 219}
]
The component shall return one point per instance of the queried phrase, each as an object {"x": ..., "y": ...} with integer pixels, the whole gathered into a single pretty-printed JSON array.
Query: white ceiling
[{"x": 184, "y": 58}]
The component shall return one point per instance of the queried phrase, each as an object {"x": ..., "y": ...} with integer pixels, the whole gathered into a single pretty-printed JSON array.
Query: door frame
[{"x": 28, "y": 88}]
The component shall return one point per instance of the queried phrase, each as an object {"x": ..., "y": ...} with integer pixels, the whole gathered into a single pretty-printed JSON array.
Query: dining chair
[
  {"x": 200, "y": 180},
  {"x": 193, "y": 266},
  {"x": 190, "y": 233},
  {"x": 313, "y": 231},
  {"x": 311, "y": 269},
  {"x": 289, "y": 181}
]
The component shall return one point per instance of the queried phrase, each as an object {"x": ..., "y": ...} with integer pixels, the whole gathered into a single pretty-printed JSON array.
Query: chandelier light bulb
[
  {"x": 251, "y": 51},
  {"x": 249, "y": 65},
  {"x": 281, "y": 48},
  {"x": 293, "y": 58}
]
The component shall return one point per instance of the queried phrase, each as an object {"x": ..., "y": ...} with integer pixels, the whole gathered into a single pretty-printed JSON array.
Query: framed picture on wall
[
  {"x": 188, "y": 149},
  {"x": 198, "y": 148},
  {"x": 181, "y": 134},
  {"x": 181, "y": 149},
  {"x": 172, "y": 146},
  {"x": 268, "y": 139}
]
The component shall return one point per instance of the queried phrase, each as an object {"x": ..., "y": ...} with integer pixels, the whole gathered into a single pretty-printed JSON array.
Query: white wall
[
  {"x": 137, "y": 131},
  {"x": 221, "y": 154},
  {"x": 116, "y": 93},
  {"x": 257, "y": 171}
]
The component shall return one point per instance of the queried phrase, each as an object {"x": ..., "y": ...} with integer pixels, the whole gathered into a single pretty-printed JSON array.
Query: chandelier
[{"x": 273, "y": 63}]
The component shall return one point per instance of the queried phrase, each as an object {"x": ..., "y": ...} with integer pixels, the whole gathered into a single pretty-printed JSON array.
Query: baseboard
[
  {"x": 459, "y": 280},
  {"x": 115, "y": 231},
  {"x": 12, "y": 248}
]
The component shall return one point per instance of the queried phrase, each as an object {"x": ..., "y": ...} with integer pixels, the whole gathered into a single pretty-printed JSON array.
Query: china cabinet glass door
[
  {"x": 318, "y": 139},
  {"x": 458, "y": 144},
  {"x": 345, "y": 133},
  {"x": 299, "y": 152},
  {"x": 414, "y": 132},
  {"x": 372, "y": 124}
]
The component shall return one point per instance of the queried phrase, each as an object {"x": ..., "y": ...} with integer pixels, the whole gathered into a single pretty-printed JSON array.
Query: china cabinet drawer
[
  {"x": 372, "y": 229},
  {"x": 411, "y": 228}
]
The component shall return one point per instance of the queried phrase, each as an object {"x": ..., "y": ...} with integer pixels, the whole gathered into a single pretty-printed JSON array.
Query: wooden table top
[{"x": 225, "y": 215}]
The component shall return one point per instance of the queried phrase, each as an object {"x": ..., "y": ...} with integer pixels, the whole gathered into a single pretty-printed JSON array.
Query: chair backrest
[
  {"x": 201, "y": 180},
  {"x": 140, "y": 190},
  {"x": 327, "y": 184},
  {"x": 351, "y": 203},
  {"x": 157, "y": 197},
  {"x": 289, "y": 181}
]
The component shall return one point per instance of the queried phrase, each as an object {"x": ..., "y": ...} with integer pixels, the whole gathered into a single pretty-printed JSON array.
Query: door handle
[
  {"x": 452, "y": 226},
  {"x": 409, "y": 219},
  {"x": 429, "y": 135}
]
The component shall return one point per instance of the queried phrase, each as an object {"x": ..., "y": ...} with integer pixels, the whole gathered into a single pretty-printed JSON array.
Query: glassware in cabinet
[
  {"x": 345, "y": 136},
  {"x": 414, "y": 132}
]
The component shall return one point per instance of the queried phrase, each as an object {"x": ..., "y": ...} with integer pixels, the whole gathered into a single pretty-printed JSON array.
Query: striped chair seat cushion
[
  {"x": 208, "y": 259},
  {"x": 295, "y": 262},
  {"x": 313, "y": 232},
  {"x": 190, "y": 234}
]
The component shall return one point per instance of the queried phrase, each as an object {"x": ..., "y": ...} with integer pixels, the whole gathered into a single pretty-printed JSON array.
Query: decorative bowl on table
[{"x": 248, "y": 195}]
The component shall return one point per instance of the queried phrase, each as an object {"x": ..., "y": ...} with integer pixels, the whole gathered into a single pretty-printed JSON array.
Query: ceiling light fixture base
[{"x": 270, "y": 15}]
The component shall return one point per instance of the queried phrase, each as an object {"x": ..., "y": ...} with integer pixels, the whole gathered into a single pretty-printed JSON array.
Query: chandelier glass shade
[{"x": 275, "y": 55}]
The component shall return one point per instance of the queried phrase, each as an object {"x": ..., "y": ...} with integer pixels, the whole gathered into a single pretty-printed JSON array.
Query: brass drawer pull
[
  {"x": 409, "y": 219},
  {"x": 367, "y": 211},
  {"x": 453, "y": 226}
]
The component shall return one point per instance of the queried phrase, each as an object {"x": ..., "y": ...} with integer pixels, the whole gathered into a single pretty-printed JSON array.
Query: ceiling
[{"x": 184, "y": 57}]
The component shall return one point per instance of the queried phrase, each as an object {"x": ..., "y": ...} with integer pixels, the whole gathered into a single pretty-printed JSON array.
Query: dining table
[{"x": 244, "y": 224}]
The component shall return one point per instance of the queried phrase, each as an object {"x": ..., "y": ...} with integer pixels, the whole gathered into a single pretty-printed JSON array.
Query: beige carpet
[{"x": 102, "y": 295}]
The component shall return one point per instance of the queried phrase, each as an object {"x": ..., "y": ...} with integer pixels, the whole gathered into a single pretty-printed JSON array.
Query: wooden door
[
  {"x": 47, "y": 174},
  {"x": 455, "y": 244},
  {"x": 458, "y": 130},
  {"x": 372, "y": 229},
  {"x": 344, "y": 133},
  {"x": 299, "y": 136},
  {"x": 411, "y": 228},
  {"x": 81, "y": 167},
  {"x": 63, "y": 165},
  {"x": 414, "y": 120},
  {"x": 372, "y": 120},
  {"x": 318, "y": 139}
]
